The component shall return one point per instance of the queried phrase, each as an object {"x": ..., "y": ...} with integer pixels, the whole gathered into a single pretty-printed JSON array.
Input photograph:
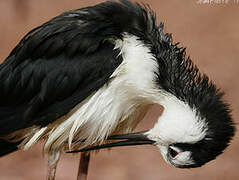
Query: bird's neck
[{"x": 178, "y": 122}]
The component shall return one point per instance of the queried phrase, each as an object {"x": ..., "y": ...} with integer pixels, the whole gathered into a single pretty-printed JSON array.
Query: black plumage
[{"x": 47, "y": 74}]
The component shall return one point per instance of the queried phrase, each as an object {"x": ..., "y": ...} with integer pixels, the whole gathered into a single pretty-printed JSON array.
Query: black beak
[{"x": 131, "y": 139}]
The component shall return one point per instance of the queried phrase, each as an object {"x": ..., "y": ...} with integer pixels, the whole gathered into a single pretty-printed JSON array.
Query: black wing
[
  {"x": 53, "y": 68},
  {"x": 60, "y": 63}
]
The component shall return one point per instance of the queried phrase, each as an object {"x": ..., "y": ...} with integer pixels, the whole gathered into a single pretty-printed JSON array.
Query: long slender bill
[{"x": 131, "y": 139}]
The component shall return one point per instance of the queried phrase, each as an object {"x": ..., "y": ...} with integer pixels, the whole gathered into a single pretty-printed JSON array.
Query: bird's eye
[{"x": 172, "y": 153}]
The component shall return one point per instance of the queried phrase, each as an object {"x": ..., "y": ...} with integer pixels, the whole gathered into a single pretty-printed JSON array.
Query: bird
[{"x": 83, "y": 81}]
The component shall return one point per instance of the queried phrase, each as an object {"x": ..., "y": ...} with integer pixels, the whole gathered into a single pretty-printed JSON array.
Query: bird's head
[
  {"x": 196, "y": 125},
  {"x": 189, "y": 137}
]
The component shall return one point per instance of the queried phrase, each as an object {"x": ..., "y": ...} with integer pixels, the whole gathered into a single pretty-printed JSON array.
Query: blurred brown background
[{"x": 211, "y": 34}]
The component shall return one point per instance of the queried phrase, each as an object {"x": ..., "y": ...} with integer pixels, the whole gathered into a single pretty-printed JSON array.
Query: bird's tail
[{"x": 7, "y": 147}]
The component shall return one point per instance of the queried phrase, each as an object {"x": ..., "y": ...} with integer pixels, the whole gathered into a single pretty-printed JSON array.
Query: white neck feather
[{"x": 178, "y": 123}]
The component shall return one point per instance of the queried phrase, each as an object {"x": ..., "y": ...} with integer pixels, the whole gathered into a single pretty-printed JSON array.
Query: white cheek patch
[{"x": 183, "y": 158}]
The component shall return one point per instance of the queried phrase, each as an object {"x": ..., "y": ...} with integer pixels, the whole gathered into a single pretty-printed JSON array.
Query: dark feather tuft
[{"x": 180, "y": 77}]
